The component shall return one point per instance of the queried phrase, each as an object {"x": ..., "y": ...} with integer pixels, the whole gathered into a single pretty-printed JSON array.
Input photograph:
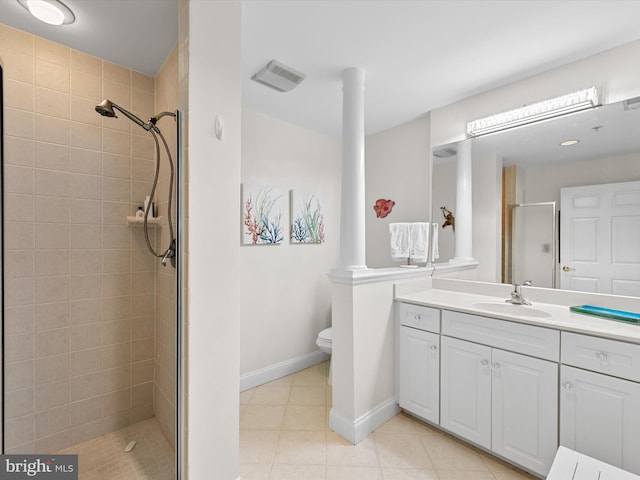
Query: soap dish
[{"x": 607, "y": 313}]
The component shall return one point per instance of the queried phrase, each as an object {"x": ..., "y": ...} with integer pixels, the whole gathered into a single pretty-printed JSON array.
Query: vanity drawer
[
  {"x": 612, "y": 357},
  {"x": 526, "y": 339},
  {"x": 417, "y": 316}
]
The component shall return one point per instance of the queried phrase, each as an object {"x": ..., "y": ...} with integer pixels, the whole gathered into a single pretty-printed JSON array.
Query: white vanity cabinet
[
  {"x": 419, "y": 361},
  {"x": 466, "y": 390},
  {"x": 501, "y": 400},
  {"x": 600, "y": 399}
]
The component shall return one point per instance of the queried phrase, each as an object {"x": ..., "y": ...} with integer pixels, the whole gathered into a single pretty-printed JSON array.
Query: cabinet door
[
  {"x": 419, "y": 369},
  {"x": 465, "y": 385},
  {"x": 524, "y": 409},
  {"x": 599, "y": 417}
]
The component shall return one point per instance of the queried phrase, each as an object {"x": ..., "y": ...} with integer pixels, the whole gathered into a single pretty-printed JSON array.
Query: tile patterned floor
[
  {"x": 104, "y": 458},
  {"x": 284, "y": 436}
]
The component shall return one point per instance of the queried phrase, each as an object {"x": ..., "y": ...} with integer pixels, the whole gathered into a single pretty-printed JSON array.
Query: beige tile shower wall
[
  {"x": 164, "y": 384},
  {"x": 80, "y": 302}
]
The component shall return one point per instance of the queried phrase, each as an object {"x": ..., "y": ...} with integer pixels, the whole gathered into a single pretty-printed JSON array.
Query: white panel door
[
  {"x": 600, "y": 238},
  {"x": 525, "y": 409},
  {"x": 419, "y": 371},
  {"x": 600, "y": 417},
  {"x": 465, "y": 385}
]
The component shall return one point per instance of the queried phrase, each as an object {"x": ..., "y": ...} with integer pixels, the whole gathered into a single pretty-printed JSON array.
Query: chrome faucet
[{"x": 516, "y": 295}]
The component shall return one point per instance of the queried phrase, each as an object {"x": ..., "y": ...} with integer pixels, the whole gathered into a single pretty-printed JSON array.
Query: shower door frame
[
  {"x": 180, "y": 392},
  {"x": 2, "y": 382},
  {"x": 554, "y": 238}
]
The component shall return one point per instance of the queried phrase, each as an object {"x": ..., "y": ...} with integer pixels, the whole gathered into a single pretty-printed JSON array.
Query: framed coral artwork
[
  {"x": 307, "y": 218},
  {"x": 261, "y": 215}
]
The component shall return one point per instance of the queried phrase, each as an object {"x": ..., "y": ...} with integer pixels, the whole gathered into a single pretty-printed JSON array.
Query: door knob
[{"x": 567, "y": 269}]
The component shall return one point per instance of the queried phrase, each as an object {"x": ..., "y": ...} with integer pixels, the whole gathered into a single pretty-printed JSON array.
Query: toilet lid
[{"x": 325, "y": 334}]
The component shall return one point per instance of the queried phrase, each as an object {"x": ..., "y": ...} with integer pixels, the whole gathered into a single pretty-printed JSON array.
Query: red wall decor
[{"x": 383, "y": 207}]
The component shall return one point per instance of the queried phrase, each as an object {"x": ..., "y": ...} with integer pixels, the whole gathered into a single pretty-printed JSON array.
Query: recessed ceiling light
[
  {"x": 52, "y": 12},
  {"x": 568, "y": 143}
]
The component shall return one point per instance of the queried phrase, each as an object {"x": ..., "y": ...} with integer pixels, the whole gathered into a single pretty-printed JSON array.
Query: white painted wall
[
  {"x": 285, "y": 291},
  {"x": 213, "y": 298},
  {"x": 396, "y": 168},
  {"x": 543, "y": 184},
  {"x": 363, "y": 359},
  {"x": 444, "y": 195}
]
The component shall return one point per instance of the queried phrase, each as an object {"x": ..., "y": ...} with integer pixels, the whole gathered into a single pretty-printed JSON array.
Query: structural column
[
  {"x": 352, "y": 226},
  {"x": 464, "y": 205}
]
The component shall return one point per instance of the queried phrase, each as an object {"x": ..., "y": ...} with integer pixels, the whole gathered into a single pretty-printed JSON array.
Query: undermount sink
[{"x": 510, "y": 309}]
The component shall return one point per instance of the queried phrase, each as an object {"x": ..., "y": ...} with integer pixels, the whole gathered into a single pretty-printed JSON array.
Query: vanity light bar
[{"x": 554, "y": 107}]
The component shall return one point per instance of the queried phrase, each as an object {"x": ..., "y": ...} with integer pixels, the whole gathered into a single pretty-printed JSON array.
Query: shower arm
[
  {"x": 132, "y": 117},
  {"x": 153, "y": 120},
  {"x": 150, "y": 125}
]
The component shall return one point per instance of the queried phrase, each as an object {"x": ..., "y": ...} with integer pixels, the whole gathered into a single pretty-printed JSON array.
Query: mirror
[{"x": 534, "y": 166}]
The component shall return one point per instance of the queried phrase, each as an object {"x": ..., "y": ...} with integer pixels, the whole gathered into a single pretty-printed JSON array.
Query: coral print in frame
[
  {"x": 261, "y": 215},
  {"x": 307, "y": 218}
]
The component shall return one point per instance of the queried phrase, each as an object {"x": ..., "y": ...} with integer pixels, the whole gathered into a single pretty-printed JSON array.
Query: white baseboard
[
  {"x": 282, "y": 369},
  {"x": 356, "y": 431}
]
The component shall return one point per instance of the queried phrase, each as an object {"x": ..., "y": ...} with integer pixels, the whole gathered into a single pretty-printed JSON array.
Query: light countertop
[{"x": 547, "y": 315}]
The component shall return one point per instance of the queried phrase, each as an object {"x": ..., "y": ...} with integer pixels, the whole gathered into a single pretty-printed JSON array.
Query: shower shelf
[{"x": 140, "y": 221}]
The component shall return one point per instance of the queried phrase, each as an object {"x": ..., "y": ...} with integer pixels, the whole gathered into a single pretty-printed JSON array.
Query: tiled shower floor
[
  {"x": 104, "y": 458},
  {"x": 284, "y": 436}
]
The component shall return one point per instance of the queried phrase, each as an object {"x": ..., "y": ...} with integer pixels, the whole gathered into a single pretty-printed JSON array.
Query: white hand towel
[
  {"x": 435, "y": 253},
  {"x": 419, "y": 241},
  {"x": 400, "y": 248}
]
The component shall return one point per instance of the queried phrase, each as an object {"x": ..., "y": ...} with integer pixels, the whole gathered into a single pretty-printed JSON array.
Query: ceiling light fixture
[
  {"x": 52, "y": 12},
  {"x": 572, "y": 102},
  {"x": 568, "y": 143},
  {"x": 278, "y": 76}
]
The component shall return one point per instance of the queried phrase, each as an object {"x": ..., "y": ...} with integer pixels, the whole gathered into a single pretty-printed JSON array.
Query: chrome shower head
[{"x": 105, "y": 108}]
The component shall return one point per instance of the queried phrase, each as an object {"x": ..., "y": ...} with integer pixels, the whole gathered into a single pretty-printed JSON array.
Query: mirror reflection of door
[{"x": 600, "y": 238}]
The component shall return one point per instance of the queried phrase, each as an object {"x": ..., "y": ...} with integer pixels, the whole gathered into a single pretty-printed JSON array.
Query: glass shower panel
[{"x": 533, "y": 247}]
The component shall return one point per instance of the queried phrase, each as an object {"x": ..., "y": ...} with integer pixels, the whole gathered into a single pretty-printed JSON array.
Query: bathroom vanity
[{"x": 519, "y": 381}]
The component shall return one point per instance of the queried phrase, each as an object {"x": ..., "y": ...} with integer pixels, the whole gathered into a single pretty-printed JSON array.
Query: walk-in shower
[
  {"x": 106, "y": 109},
  {"x": 90, "y": 329}
]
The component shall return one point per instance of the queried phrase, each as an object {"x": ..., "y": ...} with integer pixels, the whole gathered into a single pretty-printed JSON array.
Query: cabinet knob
[
  {"x": 567, "y": 386},
  {"x": 495, "y": 366},
  {"x": 484, "y": 363},
  {"x": 417, "y": 318},
  {"x": 433, "y": 348},
  {"x": 601, "y": 356}
]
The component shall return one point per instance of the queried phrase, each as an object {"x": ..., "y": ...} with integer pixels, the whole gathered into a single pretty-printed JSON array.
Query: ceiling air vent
[
  {"x": 445, "y": 152},
  {"x": 278, "y": 76}
]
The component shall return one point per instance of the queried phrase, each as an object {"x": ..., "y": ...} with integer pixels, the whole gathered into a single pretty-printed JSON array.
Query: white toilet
[{"x": 324, "y": 342}]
